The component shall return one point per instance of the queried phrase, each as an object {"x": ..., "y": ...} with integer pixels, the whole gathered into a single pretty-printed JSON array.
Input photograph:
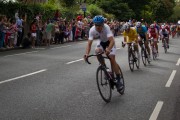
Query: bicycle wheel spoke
[
  {"x": 131, "y": 61},
  {"x": 143, "y": 56},
  {"x": 103, "y": 84}
]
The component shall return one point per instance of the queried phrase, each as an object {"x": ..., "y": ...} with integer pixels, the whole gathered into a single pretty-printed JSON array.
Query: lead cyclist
[{"x": 106, "y": 44}]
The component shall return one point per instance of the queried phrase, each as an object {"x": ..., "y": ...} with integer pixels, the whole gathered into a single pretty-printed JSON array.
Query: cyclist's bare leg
[
  {"x": 140, "y": 42},
  {"x": 114, "y": 66},
  {"x": 147, "y": 47},
  {"x": 129, "y": 44},
  {"x": 136, "y": 48},
  {"x": 156, "y": 46},
  {"x": 98, "y": 50}
]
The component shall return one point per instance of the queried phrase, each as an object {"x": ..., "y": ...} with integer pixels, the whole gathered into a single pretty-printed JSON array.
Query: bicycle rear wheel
[
  {"x": 103, "y": 84},
  {"x": 131, "y": 60},
  {"x": 122, "y": 80},
  {"x": 153, "y": 52},
  {"x": 137, "y": 59},
  {"x": 143, "y": 55},
  {"x": 165, "y": 46}
]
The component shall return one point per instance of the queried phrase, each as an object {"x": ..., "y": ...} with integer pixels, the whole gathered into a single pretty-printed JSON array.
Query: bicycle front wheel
[
  {"x": 131, "y": 60},
  {"x": 122, "y": 80},
  {"x": 154, "y": 53},
  {"x": 137, "y": 59},
  {"x": 143, "y": 55},
  {"x": 103, "y": 84}
]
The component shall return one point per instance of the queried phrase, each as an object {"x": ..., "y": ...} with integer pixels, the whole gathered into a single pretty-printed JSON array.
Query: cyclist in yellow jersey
[{"x": 130, "y": 35}]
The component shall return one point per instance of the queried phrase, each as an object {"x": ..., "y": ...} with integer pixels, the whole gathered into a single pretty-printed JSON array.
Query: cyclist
[
  {"x": 173, "y": 30},
  {"x": 167, "y": 27},
  {"x": 142, "y": 32},
  {"x": 130, "y": 35},
  {"x": 153, "y": 33},
  {"x": 178, "y": 29},
  {"x": 106, "y": 43},
  {"x": 164, "y": 33}
]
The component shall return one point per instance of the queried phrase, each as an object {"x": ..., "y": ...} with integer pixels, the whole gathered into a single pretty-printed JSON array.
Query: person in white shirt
[
  {"x": 164, "y": 33},
  {"x": 106, "y": 43}
]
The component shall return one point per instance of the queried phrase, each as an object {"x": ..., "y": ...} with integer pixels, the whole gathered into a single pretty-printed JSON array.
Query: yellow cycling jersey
[{"x": 131, "y": 35}]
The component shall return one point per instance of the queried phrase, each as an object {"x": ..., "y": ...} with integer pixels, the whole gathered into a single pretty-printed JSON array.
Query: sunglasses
[{"x": 97, "y": 25}]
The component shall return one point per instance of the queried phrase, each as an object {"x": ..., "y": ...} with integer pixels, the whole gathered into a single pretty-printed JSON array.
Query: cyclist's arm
[
  {"x": 145, "y": 32},
  {"x": 125, "y": 39},
  {"x": 111, "y": 44},
  {"x": 125, "y": 36},
  {"x": 88, "y": 47},
  {"x": 157, "y": 33},
  {"x": 147, "y": 36},
  {"x": 90, "y": 40},
  {"x": 135, "y": 36}
]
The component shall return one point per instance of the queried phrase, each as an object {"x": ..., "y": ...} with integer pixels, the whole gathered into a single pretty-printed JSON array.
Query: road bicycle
[
  {"x": 105, "y": 78},
  {"x": 165, "y": 45},
  {"x": 153, "y": 48},
  {"x": 133, "y": 57},
  {"x": 144, "y": 54}
]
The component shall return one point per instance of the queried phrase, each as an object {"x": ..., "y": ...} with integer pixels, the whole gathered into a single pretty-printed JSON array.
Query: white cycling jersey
[
  {"x": 163, "y": 33},
  {"x": 103, "y": 36}
]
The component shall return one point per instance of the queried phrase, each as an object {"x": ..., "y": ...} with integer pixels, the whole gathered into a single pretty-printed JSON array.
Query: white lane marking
[
  {"x": 60, "y": 47},
  {"x": 178, "y": 62},
  {"x": 21, "y": 53},
  {"x": 156, "y": 111},
  {"x": 74, "y": 61},
  {"x": 82, "y": 43},
  {"x": 12, "y": 79},
  {"x": 168, "y": 84},
  {"x": 81, "y": 59},
  {"x": 39, "y": 48}
]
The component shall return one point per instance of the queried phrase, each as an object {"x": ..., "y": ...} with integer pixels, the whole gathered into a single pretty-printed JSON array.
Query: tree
[
  {"x": 120, "y": 10},
  {"x": 162, "y": 9},
  {"x": 137, "y": 6},
  {"x": 32, "y": 1}
]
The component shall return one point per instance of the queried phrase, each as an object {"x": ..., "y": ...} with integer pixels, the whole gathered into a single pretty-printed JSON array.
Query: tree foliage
[
  {"x": 150, "y": 10},
  {"x": 118, "y": 8}
]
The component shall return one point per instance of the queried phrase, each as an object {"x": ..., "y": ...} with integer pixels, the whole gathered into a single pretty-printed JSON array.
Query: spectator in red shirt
[{"x": 33, "y": 32}]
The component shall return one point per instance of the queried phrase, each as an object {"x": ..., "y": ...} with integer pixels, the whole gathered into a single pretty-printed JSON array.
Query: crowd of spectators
[{"x": 56, "y": 30}]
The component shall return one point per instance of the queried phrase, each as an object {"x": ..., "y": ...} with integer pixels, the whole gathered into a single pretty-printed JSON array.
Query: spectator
[
  {"x": 17, "y": 15},
  {"x": 3, "y": 23},
  {"x": 57, "y": 15},
  {"x": 13, "y": 34},
  {"x": 33, "y": 32},
  {"x": 62, "y": 29},
  {"x": 19, "y": 23},
  {"x": 73, "y": 24},
  {"x": 26, "y": 43},
  {"x": 49, "y": 29},
  {"x": 56, "y": 39},
  {"x": 79, "y": 29}
]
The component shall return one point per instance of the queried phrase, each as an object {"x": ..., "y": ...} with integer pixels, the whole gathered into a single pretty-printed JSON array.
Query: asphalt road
[{"x": 56, "y": 84}]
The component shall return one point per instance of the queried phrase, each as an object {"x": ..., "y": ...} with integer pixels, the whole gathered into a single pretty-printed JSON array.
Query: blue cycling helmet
[{"x": 98, "y": 20}]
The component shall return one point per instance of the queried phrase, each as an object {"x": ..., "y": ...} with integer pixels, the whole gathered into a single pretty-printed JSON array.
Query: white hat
[{"x": 179, "y": 22}]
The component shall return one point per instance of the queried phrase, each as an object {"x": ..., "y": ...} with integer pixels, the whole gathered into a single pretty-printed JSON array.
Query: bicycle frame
[
  {"x": 101, "y": 60},
  {"x": 153, "y": 48},
  {"x": 144, "y": 53},
  {"x": 165, "y": 43}
]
